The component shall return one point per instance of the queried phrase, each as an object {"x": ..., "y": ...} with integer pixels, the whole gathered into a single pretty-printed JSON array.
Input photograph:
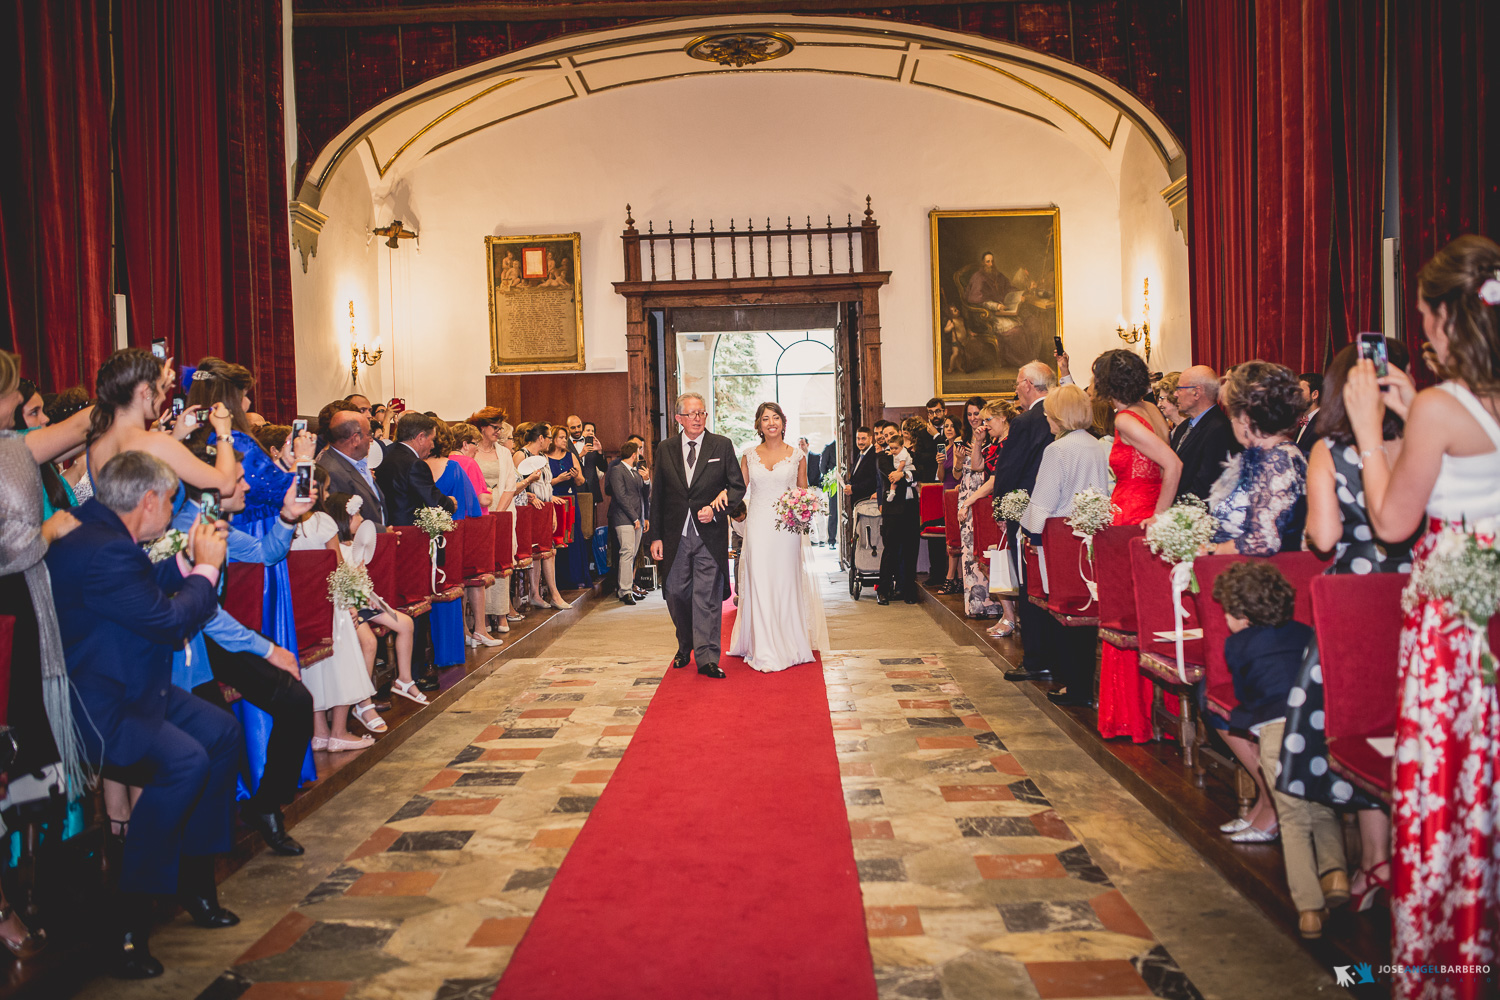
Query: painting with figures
[
  {"x": 996, "y": 300},
  {"x": 536, "y": 306}
]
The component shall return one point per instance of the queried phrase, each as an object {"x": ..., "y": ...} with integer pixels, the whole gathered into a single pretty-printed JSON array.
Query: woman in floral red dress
[
  {"x": 1446, "y": 807},
  {"x": 1146, "y": 471}
]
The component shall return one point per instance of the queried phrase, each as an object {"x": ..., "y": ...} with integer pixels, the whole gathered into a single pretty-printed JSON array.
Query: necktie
[{"x": 692, "y": 453}]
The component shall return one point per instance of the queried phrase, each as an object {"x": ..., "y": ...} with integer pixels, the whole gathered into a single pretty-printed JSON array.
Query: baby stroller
[{"x": 867, "y": 547}]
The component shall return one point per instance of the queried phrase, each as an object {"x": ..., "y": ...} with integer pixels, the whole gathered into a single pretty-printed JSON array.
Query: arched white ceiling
[{"x": 1008, "y": 79}]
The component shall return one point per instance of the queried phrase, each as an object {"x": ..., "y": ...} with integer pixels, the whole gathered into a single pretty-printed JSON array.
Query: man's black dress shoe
[
  {"x": 1028, "y": 675},
  {"x": 1066, "y": 698},
  {"x": 427, "y": 682},
  {"x": 272, "y": 828},
  {"x": 710, "y": 670},
  {"x": 627, "y": 598},
  {"x": 913, "y": 600},
  {"x": 206, "y": 912},
  {"x": 133, "y": 960},
  {"x": 681, "y": 660},
  {"x": 881, "y": 598}
]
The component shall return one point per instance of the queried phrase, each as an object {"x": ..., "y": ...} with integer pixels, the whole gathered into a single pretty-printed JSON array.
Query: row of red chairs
[{"x": 477, "y": 552}]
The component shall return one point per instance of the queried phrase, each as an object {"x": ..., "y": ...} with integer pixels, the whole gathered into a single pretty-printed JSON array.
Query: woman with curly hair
[
  {"x": 1256, "y": 498},
  {"x": 1145, "y": 470},
  {"x": 1446, "y": 803}
]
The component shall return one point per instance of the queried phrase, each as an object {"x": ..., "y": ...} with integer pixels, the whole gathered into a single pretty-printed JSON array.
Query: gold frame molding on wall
[
  {"x": 491, "y": 243},
  {"x": 937, "y": 287}
]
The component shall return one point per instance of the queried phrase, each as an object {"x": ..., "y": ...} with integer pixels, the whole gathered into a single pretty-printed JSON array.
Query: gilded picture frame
[
  {"x": 996, "y": 297},
  {"x": 536, "y": 322}
]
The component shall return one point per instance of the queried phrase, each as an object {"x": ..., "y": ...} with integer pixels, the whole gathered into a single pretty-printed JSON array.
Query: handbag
[{"x": 1003, "y": 578}]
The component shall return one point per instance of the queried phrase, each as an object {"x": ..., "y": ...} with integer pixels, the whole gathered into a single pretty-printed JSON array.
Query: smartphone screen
[
  {"x": 159, "y": 348},
  {"x": 208, "y": 504},
  {"x": 298, "y": 426},
  {"x": 1057, "y": 343},
  {"x": 589, "y": 439},
  {"x": 177, "y": 405},
  {"x": 304, "y": 480},
  {"x": 1372, "y": 346}
]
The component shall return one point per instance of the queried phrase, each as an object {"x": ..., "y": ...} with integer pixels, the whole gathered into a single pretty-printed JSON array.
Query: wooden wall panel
[{"x": 602, "y": 397}]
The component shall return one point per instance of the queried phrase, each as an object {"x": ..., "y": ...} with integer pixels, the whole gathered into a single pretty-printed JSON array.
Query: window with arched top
[{"x": 792, "y": 368}]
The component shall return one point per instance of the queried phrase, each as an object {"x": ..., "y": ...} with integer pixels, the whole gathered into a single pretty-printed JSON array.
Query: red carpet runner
[{"x": 718, "y": 861}]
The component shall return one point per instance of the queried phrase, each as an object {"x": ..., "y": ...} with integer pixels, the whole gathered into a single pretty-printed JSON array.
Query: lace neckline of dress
[{"x": 778, "y": 463}]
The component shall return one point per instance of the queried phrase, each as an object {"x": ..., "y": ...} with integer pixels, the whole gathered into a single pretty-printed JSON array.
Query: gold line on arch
[
  {"x": 1108, "y": 142},
  {"x": 434, "y": 123}
]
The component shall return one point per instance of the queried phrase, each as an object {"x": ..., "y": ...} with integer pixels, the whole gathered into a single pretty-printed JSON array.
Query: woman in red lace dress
[{"x": 1146, "y": 471}]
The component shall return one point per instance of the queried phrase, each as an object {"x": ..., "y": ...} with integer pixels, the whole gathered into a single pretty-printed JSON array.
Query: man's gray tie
[{"x": 692, "y": 453}]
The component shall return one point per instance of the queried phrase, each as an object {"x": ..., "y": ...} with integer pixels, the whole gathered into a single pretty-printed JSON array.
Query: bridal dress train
[{"x": 780, "y": 620}]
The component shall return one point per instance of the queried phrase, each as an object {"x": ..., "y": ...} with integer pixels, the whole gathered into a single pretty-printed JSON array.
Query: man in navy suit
[
  {"x": 404, "y": 478},
  {"x": 1016, "y": 469},
  {"x": 121, "y": 618}
]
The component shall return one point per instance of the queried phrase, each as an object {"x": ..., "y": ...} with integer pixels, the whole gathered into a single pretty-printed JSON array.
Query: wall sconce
[
  {"x": 395, "y": 233},
  {"x": 359, "y": 355},
  {"x": 1133, "y": 335}
]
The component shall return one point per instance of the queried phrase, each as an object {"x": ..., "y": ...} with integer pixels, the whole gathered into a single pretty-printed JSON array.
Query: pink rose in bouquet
[{"x": 798, "y": 508}]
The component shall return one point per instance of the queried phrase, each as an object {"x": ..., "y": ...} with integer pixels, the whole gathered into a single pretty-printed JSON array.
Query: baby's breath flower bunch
[
  {"x": 434, "y": 521},
  {"x": 1464, "y": 570},
  {"x": 1179, "y": 532},
  {"x": 349, "y": 587},
  {"x": 167, "y": 546},
  {"x": 1012, "y": 506}
]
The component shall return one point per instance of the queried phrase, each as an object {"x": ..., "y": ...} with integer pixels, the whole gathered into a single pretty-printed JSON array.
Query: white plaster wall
[
  {"x": 732, "y": 145},
  {"x": 1151, "y": 248}
]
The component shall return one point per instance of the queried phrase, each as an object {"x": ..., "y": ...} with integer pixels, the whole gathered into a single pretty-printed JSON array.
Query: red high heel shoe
[{"x": 1375, "y": 884}]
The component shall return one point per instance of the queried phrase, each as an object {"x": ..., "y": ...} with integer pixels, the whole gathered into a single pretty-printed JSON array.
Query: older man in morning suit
[
  {"x": 1030, "y": 434},
  {"x": 346, "y": 462},
  {"x": 1205, "y": 438},
  {"x": 404, "y": 478}
]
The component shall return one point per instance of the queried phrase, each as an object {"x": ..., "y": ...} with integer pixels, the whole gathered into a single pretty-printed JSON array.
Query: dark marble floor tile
[
  {"x": 467, "y": 755},
  {"x": 989, "y": 740},
  {"x": 899, "y": 983},
  {"x": 432, "y": 840},
  {"x": 583, "y": 670},
  {"x": 901, "y": 661},
  {"x": 227, "y": 987},
  {"x": 1161, "y": 973},
  {"x": 528, "y": 734},
  {"x": 330, "y": 951},
  {"x": 560, "y": 696},
  {"x": 962, "y": 705},
  {"x": 1025, "y": 790},
  {"x": 467, "y": 989},
  {"x": 1050, "y": 916},
  {"x": 641, "y": 682},
  {"x": 863, "y": 797},
  {"x": 995, "y": 826},
  {"x": 575, "y": 804},
  {"x": 414, "y": 808},
  {"x": 606, "y": 753},
  {"x": 934, "y": 722},
  {"x": 915, "y": 687},
  {"x": 850, "y": 746},
  {"x": 487, "y": 778},
  {"x": 881, "y": 870},
  {"x": 841, "y": 706},
  {"x": 629, "y": 713},
  {"x": 530, "y": 878},
  {"x": 331, "y": 935},
  {"x": 1080, "y": 865},
  {"x": 961, "y": 765},
  {"x": 334, "y": 885}
]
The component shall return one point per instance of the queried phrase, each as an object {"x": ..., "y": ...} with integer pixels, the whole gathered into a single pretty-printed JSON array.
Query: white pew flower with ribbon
[
  {"x": 435, "y": 522},
  {"x": 1092, "y": 513},
  {"x": 1177, "y": 535}
]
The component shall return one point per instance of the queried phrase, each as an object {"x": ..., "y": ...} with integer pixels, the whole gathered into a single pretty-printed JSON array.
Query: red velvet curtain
[
  {"x": 1293, "y": 152},
  {"x": 1448, "y": 121},
  {"x": 1221, "y": 189},
  {"x": 257, "y": 252},
  {"x": 169, "y": 177},
  {"x": 54, "y": 190},
  {"x": 1356, "y": 30}
]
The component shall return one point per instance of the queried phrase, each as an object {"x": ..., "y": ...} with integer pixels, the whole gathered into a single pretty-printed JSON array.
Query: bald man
[{"x": 1205, "y": 439}]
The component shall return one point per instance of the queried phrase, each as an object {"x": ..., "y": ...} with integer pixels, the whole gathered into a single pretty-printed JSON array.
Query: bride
[{"x": 780, "y": 620}]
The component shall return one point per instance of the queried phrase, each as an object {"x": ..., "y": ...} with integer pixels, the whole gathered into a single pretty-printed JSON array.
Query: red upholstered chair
[
  {"x": 1068, "y": 597},
  {"x": 544, "y": 528},
  {"x": 7, "y": 636},
  {"x": 450, "y": 584},
  {"x": 1117, "y": 621},
  {"x": 479, "y": 551},
  {"x": 312, "y": 610},
  {"x": 952, "y": 529},
  {"x": 1152, "y": 578},
  {"x": 987, "y": 533},
  {"x": 525, "y": 514},
  {"x": 1358, "y": 620},
  {"x": 505, "y": 543},
  {"x": 930, "y": 510},
  {"x": 413, "y": 571},
  {"x": 244, "y": 593},
  {"x": 1036, "y": 590}
]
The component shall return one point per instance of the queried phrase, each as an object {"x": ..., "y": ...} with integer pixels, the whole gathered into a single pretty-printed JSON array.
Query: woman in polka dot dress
[{"x": 1337, "y": 521}]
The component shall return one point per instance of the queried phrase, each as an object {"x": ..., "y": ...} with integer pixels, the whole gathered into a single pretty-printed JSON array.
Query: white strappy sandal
[
  {"x": 362, "y": 714},
  {"x": 409, "y": 691}
]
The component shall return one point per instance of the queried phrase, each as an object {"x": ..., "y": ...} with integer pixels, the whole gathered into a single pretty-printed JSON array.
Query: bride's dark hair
[{"x": 769, "y": 407}]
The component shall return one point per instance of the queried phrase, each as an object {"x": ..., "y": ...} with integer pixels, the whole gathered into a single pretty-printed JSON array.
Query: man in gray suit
[
  {"x": 345, "y": 462},
  {"x": 627, "y": 516}
]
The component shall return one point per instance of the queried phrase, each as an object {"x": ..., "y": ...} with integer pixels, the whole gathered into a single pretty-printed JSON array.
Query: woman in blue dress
[{"x": 449, "y": 632}]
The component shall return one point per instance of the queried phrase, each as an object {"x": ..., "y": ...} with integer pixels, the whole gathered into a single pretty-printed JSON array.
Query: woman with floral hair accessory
[{"x": 1446, "y": 793}]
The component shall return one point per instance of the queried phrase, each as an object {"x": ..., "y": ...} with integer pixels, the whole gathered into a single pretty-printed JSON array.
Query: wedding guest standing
[
  {"x": 1145, "y": 471},
  {"x": 990, "y": 435},
  {"x": 1204, "y": 440},
  {"x": 1446, "y": 803}
]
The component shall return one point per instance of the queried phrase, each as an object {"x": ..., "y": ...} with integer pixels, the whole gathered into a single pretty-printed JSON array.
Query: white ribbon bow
[
  {"x": 1182, "y": 579},
  {"x": 434, "y": 543}
]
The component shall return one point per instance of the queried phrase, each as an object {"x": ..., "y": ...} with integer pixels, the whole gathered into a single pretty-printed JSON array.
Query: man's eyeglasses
[{"x": 694, "y": 415}]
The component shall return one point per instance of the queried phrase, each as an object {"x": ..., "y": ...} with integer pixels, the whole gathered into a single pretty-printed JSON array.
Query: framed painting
[
  {"x": 536, "y": 305},
  {"x": 996, "y": 298}
]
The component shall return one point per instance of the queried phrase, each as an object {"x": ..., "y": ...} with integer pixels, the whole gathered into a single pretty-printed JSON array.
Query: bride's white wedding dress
[{"x": 780, "y": 620}]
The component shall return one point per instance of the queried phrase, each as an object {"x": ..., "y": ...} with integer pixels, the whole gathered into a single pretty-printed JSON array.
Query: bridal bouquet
[
  {"x": 167, "y": 546},
  {"x": 1464, "y": 570},
  {"x": 434, "y": 521},
  {"x": 349, "y": 587},
  {"x": 1012, "y": 506},
  {"x": 797, "y": 508},
  {"x": 1179, "y": 532}
]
